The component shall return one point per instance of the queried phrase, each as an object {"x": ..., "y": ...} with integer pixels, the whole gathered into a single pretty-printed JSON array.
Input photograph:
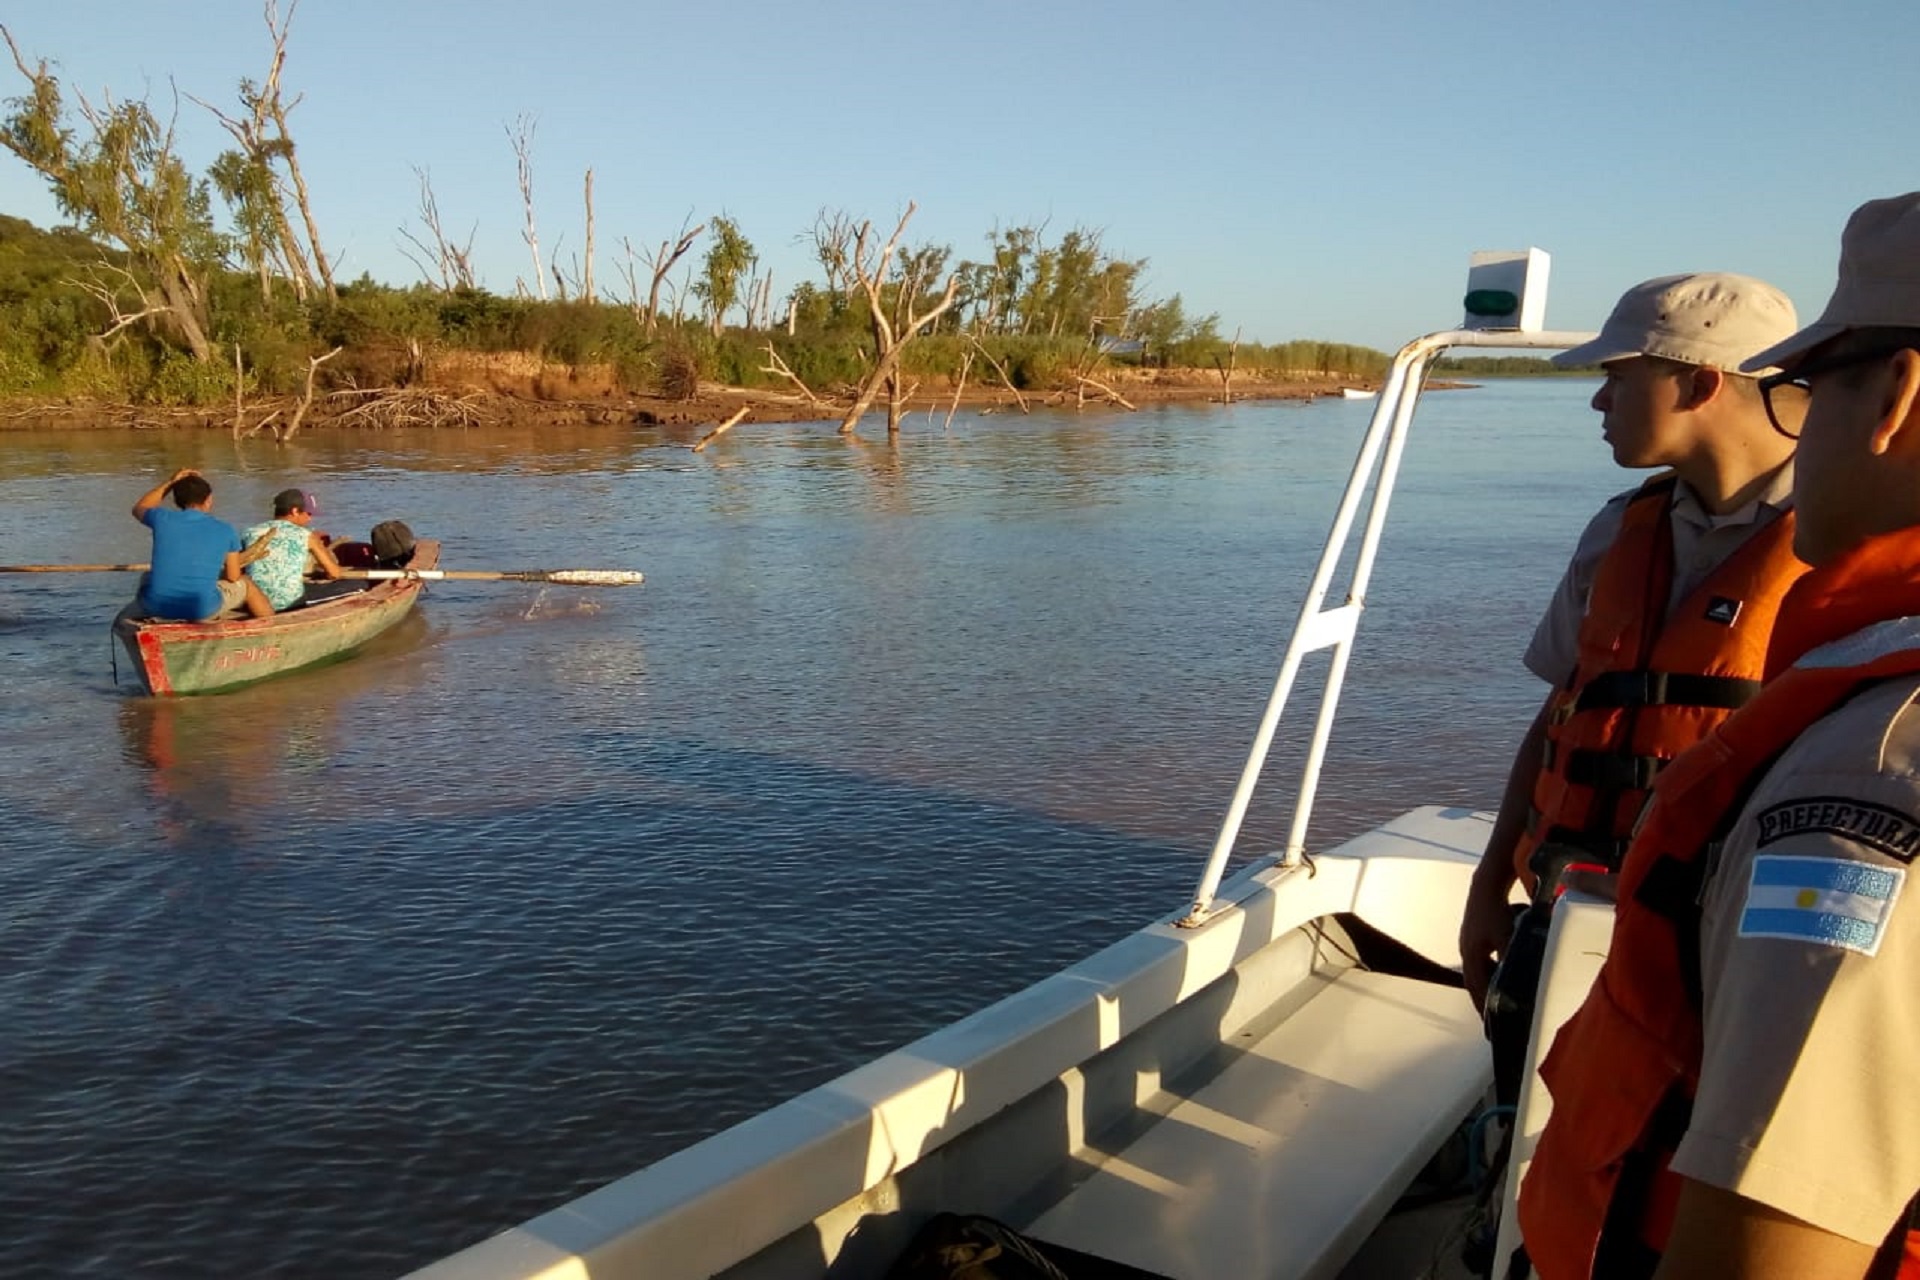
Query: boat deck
[{"x": 1285, "y": 1161}]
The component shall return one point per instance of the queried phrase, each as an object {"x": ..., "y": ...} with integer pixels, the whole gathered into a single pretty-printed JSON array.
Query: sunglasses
[{"x": 1799, "y": 379}]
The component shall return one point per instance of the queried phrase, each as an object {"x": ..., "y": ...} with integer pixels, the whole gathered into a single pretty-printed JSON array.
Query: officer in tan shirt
[
  {"x": 1701, "y": 541},
  {"x": 1673, "y": 397},
  {"x": 1802, "y": 1154},
  {"x": 1807, "y": 1102}
]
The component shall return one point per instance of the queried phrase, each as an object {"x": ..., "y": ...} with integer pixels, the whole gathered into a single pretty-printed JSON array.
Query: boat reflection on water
[{"x": 237, "y": 763}]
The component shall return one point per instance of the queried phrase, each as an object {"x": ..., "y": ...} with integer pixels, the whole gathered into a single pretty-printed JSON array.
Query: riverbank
[{"x": 562, "y": 398}]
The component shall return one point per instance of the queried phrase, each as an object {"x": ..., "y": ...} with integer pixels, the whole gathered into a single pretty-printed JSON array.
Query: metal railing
[{"x": 1319, "y": 628}]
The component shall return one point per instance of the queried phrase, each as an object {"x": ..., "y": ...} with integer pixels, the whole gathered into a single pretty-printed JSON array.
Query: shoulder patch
[
  {"x": 1877, "y": 827},
  {"x": 1828, "y": 902}
]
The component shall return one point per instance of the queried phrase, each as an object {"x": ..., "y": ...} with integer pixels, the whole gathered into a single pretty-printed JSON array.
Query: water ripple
[{"x": 339, "y": 973}]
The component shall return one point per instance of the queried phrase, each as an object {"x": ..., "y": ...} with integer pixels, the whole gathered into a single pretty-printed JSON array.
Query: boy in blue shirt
[{"x": 196, "y": 572}]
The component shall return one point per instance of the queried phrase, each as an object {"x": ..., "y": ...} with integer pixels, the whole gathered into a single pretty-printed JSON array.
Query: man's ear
[
  {"x": 1700, "y": 385},
  {"x": 1897, "y": 411}
]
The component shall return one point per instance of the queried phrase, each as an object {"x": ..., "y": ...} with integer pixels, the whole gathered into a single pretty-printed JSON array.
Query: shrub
[
  {"x": 636, "y": 370},
  {"x": 19, "y": 371},
  {"x": 182, "y": 380},
  {"x": 679, "y": 375},
  {"x": 100, "y": 374}
]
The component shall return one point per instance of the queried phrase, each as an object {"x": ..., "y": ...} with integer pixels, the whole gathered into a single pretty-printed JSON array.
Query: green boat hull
[{"x": 212, "y": 657}]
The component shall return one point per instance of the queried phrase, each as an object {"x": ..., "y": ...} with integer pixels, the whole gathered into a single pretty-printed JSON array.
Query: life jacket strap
[
  {"x": 1612, "y": 689},
  {"x": 1609, "y": 771},
  {"x": 1623, "y": 1250},
  {"x": 1673, "y": 890}
]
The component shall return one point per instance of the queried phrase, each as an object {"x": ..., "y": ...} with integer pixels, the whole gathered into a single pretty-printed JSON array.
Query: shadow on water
[{"x": 603, "y": 967}]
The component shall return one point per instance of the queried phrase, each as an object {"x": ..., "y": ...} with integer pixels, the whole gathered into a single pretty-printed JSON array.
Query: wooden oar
[
  {"x": 560, "y": 577},
  {"x": 73, "y": 568}
]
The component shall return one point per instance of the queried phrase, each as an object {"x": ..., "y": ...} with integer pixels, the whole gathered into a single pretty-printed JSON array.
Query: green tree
[
  {"x": 730, "y": 259},
  {"x": 248, "y": 191},
  {"x": 119, "y": 176}
]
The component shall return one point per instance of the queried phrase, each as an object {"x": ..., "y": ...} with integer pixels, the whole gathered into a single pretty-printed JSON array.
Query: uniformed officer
[
  {"x": 1659, "y": 626},
  {"x": 1736, "y": 1097}
]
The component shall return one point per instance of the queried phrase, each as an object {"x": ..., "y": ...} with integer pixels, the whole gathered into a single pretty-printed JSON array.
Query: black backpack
[
  {"x": 392, "y": 543},
  {"x": 954, "y": 1246}
]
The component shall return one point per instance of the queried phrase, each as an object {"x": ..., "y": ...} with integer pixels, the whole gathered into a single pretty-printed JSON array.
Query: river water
[{"x": 337, "y": 974}]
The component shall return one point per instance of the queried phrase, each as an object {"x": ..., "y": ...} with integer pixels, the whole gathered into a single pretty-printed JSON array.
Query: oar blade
[
  {"x": 563, "y": 577},
  {"x": 593, "y": 577},
  {"x": 73, "y": 568}
]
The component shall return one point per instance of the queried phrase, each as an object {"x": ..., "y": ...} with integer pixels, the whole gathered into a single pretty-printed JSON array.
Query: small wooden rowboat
[{"x": 210, "y": 657}]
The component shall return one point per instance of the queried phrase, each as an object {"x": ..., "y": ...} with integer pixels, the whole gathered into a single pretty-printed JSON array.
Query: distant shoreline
[{"x": 470, "y": 406}]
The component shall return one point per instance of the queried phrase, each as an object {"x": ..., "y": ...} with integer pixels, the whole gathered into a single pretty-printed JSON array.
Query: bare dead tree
[
  {"x": 1226, "y": 369},
  {"x": 660, "y": 262},
  {"x": 239, "y": 393},
  {"x": 284, "y": 434},
  {"x": 278, "y": 110},
  {"x": 265, "y": 140},
  {"x": 520, "y": 134},
  {"x": 630, "y": 272},
  {"x": 108, "y": 294},
  {"x": 893, "y": 326},
  {"x": 586, "y": 271},
  {"x": 833, "y": 237},
  {"x": 559, "y": 280},
  {"x": 248, "y": 181},
  {"x": 451, "y": 262},
  {"x": 759, "y": 303}
]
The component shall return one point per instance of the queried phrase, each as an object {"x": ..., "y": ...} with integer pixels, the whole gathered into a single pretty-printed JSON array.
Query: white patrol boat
[{"x": 1247, "y": 1087}]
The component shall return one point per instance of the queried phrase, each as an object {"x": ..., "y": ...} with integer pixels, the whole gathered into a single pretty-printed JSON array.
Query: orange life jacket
[
  {"x": 1648, "y": 683},
  {"x": 1599, "y": 1199}
]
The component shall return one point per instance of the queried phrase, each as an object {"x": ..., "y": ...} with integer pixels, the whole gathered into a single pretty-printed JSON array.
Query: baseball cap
[
  {"x": 1879, "y": 284},
  {"x": 290, "y": 500},
  {"x": 1715, "y": 319}
]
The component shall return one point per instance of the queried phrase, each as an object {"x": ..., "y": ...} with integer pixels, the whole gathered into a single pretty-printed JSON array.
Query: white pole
[{"x": 1318, "y": 628}]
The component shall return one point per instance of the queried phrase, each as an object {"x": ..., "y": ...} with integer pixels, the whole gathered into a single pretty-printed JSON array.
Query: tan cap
[
  {"x": 1879, "y": 284},
  {"x": 1714, "y": 318}
]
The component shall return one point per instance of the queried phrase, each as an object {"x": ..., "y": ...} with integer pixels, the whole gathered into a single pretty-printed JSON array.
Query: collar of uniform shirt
[{"x": 1776, "y": 497}]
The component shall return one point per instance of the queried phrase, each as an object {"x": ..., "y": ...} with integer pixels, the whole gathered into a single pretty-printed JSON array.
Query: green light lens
[{"x": 1492, "y": 302}]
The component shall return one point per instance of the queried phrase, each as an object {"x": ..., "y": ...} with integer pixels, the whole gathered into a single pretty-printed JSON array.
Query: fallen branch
[
  {"x": 999, "y": 369},
  {"x": 284, "y": 434},
  {"x": 383, "y": 409},
  {"x": 779, "y": 369},
  {"x": 255, "y": 429},
  {"x": 1105, "y": 390},
  {"x": 723, "y": 428},
  {"x": 239, "y": 400},
  {"x": 958, "y": 387}
]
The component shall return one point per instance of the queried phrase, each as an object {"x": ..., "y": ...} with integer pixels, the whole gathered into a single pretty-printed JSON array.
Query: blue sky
[{"x": 1303, "y": 169}]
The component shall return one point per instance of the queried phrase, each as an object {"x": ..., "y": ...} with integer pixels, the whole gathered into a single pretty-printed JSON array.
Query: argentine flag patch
[{"x": 1826, "y": 901}]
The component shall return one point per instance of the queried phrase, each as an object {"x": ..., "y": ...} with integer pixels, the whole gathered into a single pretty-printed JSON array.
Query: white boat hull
[{"x": 1082, "y": 1108}]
